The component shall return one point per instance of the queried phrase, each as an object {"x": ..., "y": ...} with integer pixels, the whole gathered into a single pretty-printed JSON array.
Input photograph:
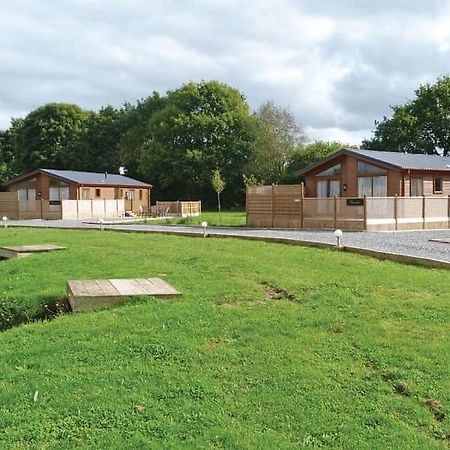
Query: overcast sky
[{"x": 337, "y": 65}]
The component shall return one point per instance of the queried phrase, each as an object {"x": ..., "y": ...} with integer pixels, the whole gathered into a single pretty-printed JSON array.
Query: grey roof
[
  {"x": 88, "y": 178},
  {"x": 95, "y": 178},
  {"x": 397, "y": 160},
  {"x": 408, "y": 160}
]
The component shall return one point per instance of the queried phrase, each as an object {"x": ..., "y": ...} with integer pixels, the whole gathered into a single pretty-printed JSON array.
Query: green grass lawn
[
  {"x": 214, "y": 218},
  {"x": 270, "y": 346}
]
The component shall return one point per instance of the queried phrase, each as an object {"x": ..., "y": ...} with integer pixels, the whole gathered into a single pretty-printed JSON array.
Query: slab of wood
[
  {"x": 96, "y": 294},
  {"x": 20, "y": 251}
]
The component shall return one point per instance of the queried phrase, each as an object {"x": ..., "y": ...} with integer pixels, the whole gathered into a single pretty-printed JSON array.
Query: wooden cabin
[
  {"x": 359, "y": 173},
  {"x": 56, "y": 185}
]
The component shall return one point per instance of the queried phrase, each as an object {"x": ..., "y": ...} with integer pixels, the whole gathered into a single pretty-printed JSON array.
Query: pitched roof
[
  {"x": 89, "y": 178},
  {"x": 396, "y": 160}
]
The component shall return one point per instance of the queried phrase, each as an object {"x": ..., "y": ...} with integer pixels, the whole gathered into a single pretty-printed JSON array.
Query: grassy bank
[
  {"x": 215, "y": 219},
  {"x": 270, "y": 346}
]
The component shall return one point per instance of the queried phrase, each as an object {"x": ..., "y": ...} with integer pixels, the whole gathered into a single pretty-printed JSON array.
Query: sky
[{"x": 336, "y": 65}]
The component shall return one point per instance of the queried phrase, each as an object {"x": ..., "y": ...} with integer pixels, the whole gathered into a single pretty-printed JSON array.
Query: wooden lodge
[
  {"x": 53, "y": 186},
  {"x": 359, "y": 173}
]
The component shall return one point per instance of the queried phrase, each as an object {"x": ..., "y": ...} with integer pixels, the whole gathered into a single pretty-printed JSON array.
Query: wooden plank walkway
[
  {"x": 96, "y": 294},
  {"x": 21, "y": 251}
]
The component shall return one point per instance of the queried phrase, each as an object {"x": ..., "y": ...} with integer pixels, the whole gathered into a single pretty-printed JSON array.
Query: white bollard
[
  {"x": 338, "y": 234},
  {"x": 5, "y": 222},
  {"x": 205, "y": 228}
]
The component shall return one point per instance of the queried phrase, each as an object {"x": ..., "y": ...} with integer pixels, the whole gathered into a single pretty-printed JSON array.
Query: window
[
  {"x": 98, "y": 192},
  {"x": 58, "y": 193},
  {"x": 372, "y": 186},
  {"x": 27, "y": 194},
  {"x": 328, "y": 188},
  {"x": 140, "y": 194},
  {"x": 368, "y": 169},
  {"x": 437, "y": 186},
  {"x": 86, "y": 194},
  {"x": 416, "y": 188},
  {"x": 335, "y": 170}
]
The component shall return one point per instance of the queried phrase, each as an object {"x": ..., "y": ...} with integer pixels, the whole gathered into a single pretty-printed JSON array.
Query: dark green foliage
[
  {"x": 49, "y": 136},
  {"x": 421, "y": 125},
  {"x": 202, "y": 126}
]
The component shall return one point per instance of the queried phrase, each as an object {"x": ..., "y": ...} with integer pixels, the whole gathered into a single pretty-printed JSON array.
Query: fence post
[
  {"x": 273, "y": 200},
  {"x": 423, "y": 211},
  {"x": 448, "y": 212},
  {"x": 396, "y": 212},
  {"x": 365, "y": 212},
  {"x": 78, "y": 209},
  {"x": 335, "y": 212},
  {"x": 302, "y": 208}
]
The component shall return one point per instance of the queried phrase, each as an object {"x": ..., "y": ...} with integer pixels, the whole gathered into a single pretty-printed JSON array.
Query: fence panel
[
  {"x": 259, "y": 206},
  {"x": 319, "y": 213},
  {"x": 409, "y": 213},
  {"x": 380, "y": 213},
  {"x": 436, "y": 212},
  {"x": 350, "y": 214},
  {"x": 287, "y": 208},
  {"x": 9, "y": 206}
]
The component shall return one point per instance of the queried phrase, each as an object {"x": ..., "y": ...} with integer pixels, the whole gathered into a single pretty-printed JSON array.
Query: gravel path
[{"x": 411, "y": 243}]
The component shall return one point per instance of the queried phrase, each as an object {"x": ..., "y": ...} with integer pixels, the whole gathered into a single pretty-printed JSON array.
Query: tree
[
  {"x": 421, "y": 125},
  {"x": 201, "y": 126},
  {"x": 48, "y": 135},
  {"x": 308, "y": 154},
  {"x": 8, "y": 165},
  {"x": 278, "y": 135},
  {"x": 96, "y": 148},
  {"x": 218, "y": 184}
]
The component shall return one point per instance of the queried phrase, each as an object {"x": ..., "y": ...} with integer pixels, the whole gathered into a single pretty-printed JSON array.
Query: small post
[
  {"x": 5, "y": 222},
  {"x": 423, "y": 212},
  {"x": 396, "y": 212},
  {"x": 101, "y": 225},
  {"x": 273, "y": 200},
  {"x": 205, "y": 229},
  {"x": 302, "y": 206},
  {"x": 365, "y": 212},
  {"x": 448, "y": 212},
  {"x": 335, "y": 212},
  {"x": 246, "y": 206},
  {"x": 338, "y": 235}
]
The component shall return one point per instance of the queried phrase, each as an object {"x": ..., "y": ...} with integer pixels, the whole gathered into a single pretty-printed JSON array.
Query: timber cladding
[
  {"x": 274, "y": 206},
  {"x": 9, "y": 205}
]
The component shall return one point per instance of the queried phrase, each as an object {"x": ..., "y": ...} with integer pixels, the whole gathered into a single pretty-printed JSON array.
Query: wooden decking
[
  {"x": 21, "y": 251},
  {"x": 97, "y": 294}
]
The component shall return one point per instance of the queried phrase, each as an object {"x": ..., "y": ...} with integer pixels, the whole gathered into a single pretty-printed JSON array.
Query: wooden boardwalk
[
  {"x": 21, "y": 251},
  {"x": 96, "y": 294}
]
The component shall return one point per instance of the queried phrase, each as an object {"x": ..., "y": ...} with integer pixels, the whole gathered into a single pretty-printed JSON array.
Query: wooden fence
[
  {"x": 182, "y": 209},
  {"x": 285, "y": 207},
  {"x": 15, "y": 209}
]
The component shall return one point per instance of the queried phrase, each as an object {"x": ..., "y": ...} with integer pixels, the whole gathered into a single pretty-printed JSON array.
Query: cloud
[{"x": 337, "y": 65}]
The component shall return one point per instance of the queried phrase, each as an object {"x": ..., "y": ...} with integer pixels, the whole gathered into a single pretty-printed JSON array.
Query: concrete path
[{"x": 415, "y": 244}]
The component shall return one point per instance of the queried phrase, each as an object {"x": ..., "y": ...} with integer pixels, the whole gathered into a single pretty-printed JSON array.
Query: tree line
[
  {"x": 178, "y": 142},
  {"x": 191, "y": 140}
]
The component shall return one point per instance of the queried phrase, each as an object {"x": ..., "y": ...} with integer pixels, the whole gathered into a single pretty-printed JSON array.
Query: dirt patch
[{"x": 436, "y": 408}]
